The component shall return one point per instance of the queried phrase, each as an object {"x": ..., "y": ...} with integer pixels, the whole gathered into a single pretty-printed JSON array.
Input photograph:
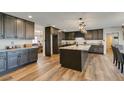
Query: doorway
[
  {"x": 108, "y": 42},
  {"x": 111, "y": 38}
]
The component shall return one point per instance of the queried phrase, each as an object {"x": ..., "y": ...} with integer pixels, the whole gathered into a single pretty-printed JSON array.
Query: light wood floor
[{"x": 99, "y": 67}]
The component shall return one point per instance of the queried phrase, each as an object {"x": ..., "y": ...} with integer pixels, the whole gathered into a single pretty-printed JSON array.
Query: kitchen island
[{"x": 74, "y": 57}]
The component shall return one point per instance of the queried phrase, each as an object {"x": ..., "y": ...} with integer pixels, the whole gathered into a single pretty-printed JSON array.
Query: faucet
[{"x": 12, "y": 44}]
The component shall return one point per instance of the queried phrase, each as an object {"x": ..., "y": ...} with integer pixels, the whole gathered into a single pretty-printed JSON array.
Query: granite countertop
[
  {"x": 80, "y": 47},
  {"x": 7, "y": 50}
]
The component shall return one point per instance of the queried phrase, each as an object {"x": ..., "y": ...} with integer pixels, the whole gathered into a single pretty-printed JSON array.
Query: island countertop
[{"x": 79, "y": 47}]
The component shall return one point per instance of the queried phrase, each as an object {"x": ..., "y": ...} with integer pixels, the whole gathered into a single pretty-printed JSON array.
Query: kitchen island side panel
[{"x": 73, "y": 59}]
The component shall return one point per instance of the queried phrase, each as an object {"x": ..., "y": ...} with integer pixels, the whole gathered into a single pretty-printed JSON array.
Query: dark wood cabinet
[
  {"x": 97, "y": 49},
  {"x": 15, "y": 28},
  {"x": 69, "y": 36},
  {"x": 23, "y": 57},
  {"x": 51, "y": 40},
  {"x": 48, "y": 41},
  {"x": 88, "y": 36},
  {"x": 1, "y": 26},
  {"x": 55, "y": 44},
  {"x": 3, "y": 62},
  {"x": 29, "y": 30},
  {"x": 32, "y": 54},
  {"x": 61, "y": 36},
  {"x": 10, "y": 26},
  {"x": 96, "y": 34},
  {"x": 21, "y": 31},
  {"x": 73, "y": 59},
  {"x": 12, "y": 59},
  {"x": 100, "y": 34}
]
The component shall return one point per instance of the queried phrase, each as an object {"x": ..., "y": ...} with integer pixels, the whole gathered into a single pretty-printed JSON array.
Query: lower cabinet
[
  {"x": 32, "y": 54},
  {"x": 12, "y": 59},
  {"x": 97, "y": 49},
  {"x": 23, "y": 57},
  {"x": 2, "y": 62}
]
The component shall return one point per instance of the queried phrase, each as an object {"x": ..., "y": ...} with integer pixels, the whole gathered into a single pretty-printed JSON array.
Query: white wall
[
  {"x": 40, "y": 32},
  {"x": 7, "y": 42}
]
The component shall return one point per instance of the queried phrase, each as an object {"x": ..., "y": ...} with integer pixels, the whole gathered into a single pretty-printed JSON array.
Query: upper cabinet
[
  {"x": 10, "y": 26},
  {"x": 29, "y": 30},
  {"x": 88, "y": 36},
  {"x": 96, "y": 34},
  {"x": 69, "y": 36},
  {"x": 15, "y": 28},
  {"x": 1, "y": 25},
  {"x": 100, "y": 34},
  {"x": 21, "y": 29}
]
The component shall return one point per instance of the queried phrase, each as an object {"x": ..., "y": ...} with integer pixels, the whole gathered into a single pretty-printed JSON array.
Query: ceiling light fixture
[
  {"x": 82, "y": 26},
  {"x": 30, "y": 16},
  {"x": 53, "y": 26}
]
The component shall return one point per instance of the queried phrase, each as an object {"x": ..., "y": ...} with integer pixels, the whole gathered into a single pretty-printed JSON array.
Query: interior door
[{"x": 108, "y": 41}]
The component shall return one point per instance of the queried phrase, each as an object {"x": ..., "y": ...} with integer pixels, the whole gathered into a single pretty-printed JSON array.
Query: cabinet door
[
  {"x": 33, "y": 55},
  {"x": 1, "y": 26},
  {"x": 2, "y": 61},
  {"x": 100, "y": 34},
  {"x": 10, "y": 26},
  {"x": 12, "y": 59},
  {"x": 94, "y": 35},
  {"x": 23, "y": 57},
  {"x": 29, "y": 30},
  {"x": 69, "y": 36},
  {"x": 88, "y": 36},
  {"x": 20, "y": 29},
  {"x": 48, "y": 41},
  {"x": 101, "y": 49},
  {"x": 72, "y": 36}
]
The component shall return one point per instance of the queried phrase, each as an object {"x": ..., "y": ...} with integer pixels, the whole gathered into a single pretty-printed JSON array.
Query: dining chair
[
  {"x": 114, "y": 55},
  {"x": 120, "y": 59}
]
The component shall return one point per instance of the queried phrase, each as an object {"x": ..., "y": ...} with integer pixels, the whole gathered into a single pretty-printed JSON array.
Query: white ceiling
[{"x": 69, "y": 20}]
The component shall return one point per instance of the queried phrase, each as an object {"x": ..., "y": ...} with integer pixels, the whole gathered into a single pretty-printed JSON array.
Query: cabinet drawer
[{"x": 23, "y": 58}]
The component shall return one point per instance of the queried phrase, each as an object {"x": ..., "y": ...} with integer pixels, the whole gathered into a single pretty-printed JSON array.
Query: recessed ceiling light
[
  {"x": 53, "y": 25},
  {"x": 29, "y": 16}
]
